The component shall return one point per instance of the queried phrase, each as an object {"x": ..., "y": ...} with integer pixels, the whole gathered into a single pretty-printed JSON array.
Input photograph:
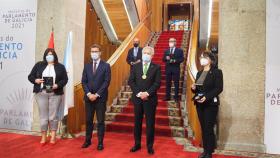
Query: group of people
[{"x": 49, "y": 77}]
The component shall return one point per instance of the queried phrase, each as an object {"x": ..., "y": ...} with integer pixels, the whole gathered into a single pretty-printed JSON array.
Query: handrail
[
  {"x": 127, "y": 40},
  {"x": 191, "y": 74},
  {"x": 192, "y": 68}
]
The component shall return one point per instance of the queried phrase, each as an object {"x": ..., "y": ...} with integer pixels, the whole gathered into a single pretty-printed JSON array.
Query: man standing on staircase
[
  {"x": 173, "y": 57},
  {"x": 134, "y": 54},
  {"x": 144, "y": 81},
  {"x": 95, "y": 80}
]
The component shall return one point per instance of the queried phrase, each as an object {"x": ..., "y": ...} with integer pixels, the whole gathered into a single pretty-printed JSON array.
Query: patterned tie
[
  {"x": 145, "y": 69},
  {"x": 94, "y": 68}
]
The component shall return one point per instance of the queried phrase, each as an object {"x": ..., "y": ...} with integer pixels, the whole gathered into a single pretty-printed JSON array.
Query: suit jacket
[
  {"x": 130, "y": 57},
  {"x": 212, "y": 86},
  {"x": 178, "y": 56},
  {"x": 151, "y": 84},
  {"x": 98, "y": 82},
  {"x": 61, "y": 78}
]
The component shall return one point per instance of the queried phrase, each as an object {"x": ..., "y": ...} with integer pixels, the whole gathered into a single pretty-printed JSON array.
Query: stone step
[
  {"x": 160, "y": 120},
  {"x": 160, "y": 110}
]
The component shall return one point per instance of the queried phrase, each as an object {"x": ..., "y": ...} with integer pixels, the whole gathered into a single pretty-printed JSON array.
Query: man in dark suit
[
  {"x": 144, "y": 81},
  {"x": 173, "y": 57},
  {"x": 95, "y": 80},
  {"x": 134, "y": 54}
]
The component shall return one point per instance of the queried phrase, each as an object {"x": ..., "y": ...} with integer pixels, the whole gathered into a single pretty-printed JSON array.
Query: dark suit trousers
[
  {"x": 149, "y": 110},
  {"x": 172, "y": 73},
  {"x": 100, "y": 109},
  {"x": 207, "y": 117}
]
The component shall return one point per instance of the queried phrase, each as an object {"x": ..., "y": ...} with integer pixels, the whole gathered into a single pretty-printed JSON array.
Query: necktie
[
  {"x": 145, "y": 69},
  {"x": 94, "y": 68},
  {"x": 171, "y": 50}
]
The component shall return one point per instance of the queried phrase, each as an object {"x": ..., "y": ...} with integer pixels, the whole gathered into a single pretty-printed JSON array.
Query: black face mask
[{"x": 135, "y": 44}]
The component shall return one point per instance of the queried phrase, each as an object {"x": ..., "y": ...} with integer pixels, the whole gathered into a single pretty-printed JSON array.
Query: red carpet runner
[{"x": 117, "y": 145}]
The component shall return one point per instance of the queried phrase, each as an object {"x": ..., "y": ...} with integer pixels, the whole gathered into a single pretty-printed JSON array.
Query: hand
[
  {"x": 144, "y": 96},
  {"x": 39, "y": 81},
  {"x": 92, "y": 97},
  {"x": 193, "y": 87},
  {"x": 132, "y": 63},
  {"x": 55, "y": 86},
  {"x": 167, "y": 57},
  {"x": 138, "y": 61},
  {"x": 202, "y": 100}
]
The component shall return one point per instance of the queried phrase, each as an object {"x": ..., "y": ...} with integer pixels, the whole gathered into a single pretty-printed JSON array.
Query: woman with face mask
[
  {"x": 49, "y": 77},
  {"x": 208, "y": 85}
]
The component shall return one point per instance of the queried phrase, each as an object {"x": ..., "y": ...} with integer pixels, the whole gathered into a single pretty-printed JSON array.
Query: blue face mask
[
  {"x": 146, "y": 58},
  {"x": 50, "y": 58},
  {"x": 95, "y": 56}
]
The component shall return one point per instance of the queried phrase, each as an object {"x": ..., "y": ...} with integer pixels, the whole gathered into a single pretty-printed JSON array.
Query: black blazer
[
  {"x": 151, "y": 84},
  {"x": 61, "y": 78},
  {"x": 130, "y": 57},
  {"x": 98, "y": 82},
  {"x": 212, "y": 86},
  {"x": 178, "y": 56}
]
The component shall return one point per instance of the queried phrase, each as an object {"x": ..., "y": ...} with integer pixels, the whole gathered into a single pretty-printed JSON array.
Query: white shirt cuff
[{"x": 139, "y": 94}]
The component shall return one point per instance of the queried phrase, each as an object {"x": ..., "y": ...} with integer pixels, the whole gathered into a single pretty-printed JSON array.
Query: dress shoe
[
  {"x": 86, "y": 145},
  {"x": 43, "y": 144},
  {"x": 135, "y": 148},
  {"x": 176, "y": 100},
  {"x": 151, "y": 151},
  {"x": 208, "y": 155},
  {"x": 100, "y": 147},
  {"x": 202, "y": 155},
  {"x": 166, "y": 99}
]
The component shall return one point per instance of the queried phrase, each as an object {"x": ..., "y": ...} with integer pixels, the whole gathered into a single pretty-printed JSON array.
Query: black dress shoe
[
  {"x": 86, "y": 145},
  {"x": 208, "y": 155},
  {"x": 100, "y": 147},
  {"x": 151, "y": 151},
  {"x": 166, "y": 99},
  {"x": 202, "y": 155},
  {"x": 135, "y": 148}
]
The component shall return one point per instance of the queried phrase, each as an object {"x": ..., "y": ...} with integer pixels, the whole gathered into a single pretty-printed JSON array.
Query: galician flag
[{"x": 68, "y": 100}]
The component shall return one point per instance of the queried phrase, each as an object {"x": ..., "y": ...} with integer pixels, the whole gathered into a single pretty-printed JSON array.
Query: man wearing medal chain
[{"x": 144, "y": 81}]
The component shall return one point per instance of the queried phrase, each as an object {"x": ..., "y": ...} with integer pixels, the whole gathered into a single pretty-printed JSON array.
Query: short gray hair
[{"x": 150, "y": 49}]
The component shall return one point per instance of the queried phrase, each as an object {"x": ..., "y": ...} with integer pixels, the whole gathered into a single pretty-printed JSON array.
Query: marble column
[{"x": 242, "y": 59}]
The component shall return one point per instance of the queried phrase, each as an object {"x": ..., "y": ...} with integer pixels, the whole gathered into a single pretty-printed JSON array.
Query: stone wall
[{"x": 242, "y": 59}]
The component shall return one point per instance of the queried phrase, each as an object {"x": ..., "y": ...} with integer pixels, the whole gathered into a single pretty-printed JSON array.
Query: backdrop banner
[
  {"x": 17, "y": 57},
  {"x": 272, "y": 83}
]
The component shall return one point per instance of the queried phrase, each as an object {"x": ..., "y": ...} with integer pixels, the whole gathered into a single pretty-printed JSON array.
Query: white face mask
[
  {"x": 95, "y": 56},
  {"x": 50, "y": 58},
  {"x": 171, "y": 44},
  {"x": 204, "y": 61},
  {"x": 146, "y": 58}
]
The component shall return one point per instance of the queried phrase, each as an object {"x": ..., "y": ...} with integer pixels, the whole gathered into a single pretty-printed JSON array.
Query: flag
[
  {"x": 51, "y": 41},
  {"x": 68, "y": 98}
]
